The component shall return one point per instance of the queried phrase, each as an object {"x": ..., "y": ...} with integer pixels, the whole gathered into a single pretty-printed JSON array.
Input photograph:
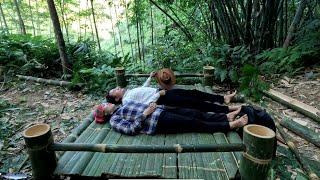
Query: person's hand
[
  {"x": 150, "y": 109},
  {"x": 162, "y": 92},
  {"x": 153, "y": 74}
]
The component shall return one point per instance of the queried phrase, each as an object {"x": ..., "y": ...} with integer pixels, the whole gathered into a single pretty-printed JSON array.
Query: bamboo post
[
  {"x": 120, "y": 76},
  {"x": 255, "y": 162},
  {"x": 43, "y": 161},
  {"x": 208, "y": 72}
]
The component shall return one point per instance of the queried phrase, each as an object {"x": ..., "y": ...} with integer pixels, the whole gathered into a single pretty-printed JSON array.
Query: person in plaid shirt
[{"x": 133, "y": 118}]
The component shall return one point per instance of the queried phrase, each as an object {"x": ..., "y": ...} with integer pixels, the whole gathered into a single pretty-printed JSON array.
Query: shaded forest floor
[{"x": 24, "y": 103}]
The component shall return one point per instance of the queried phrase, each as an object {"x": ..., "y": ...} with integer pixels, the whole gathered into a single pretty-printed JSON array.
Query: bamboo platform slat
[
  {"x": 68, "y": 155},
  {"x": 228, "y": 159},
  {"x": 77, "y": 155},
  {"x": 170, "y": 159},
  {"x": 105, "y": 159},
  {"x": 98, "y": 158},
  {"x": 208, "y": 165},
  {"x": 233, "y": 137}
]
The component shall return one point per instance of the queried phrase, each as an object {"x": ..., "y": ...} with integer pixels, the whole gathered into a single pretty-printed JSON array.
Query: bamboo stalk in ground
[
  {"x": 305, "y": 109},
  {"x": 37, "y": 139},
  {"x": 256, "y": 160},
  {"x": 177, "y": 148}
]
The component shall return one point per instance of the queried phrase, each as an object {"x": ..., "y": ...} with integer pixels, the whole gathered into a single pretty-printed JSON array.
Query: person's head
[
  {"x": 166, "y": 78},
  {"x": 103, "y": 112},
  {"x": 115, "y": 95}
]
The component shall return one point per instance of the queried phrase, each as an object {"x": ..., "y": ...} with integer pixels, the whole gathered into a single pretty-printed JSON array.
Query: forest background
[{"x": 248, "y": 42}]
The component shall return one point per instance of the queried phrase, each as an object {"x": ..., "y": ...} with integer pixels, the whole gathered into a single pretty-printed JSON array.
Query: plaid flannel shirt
[{"x": 129, "y": 119}]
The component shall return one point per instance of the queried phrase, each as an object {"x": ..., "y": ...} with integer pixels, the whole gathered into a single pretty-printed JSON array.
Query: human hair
[
  {"x": 111, "y": 99},
  {"x": 107, "y": 117}
]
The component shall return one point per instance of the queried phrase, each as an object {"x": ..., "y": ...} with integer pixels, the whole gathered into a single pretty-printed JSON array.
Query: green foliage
[
  {"x": 28, "y": 54},
  {"x": 251, "y": 83},
  {"x": 304, "y": 52},
  {"x": 228, "y": 61}
]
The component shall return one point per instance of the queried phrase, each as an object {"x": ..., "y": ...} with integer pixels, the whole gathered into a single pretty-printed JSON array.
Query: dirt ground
[{"x": 32, "y": 102}]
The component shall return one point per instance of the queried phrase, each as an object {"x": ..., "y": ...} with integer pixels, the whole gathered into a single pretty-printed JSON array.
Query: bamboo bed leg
[
  {"x": 208, "y": 72},
  {"x": 37, "y": 139},
  {"x": 255, "y": 161},
  {"x": 120, "y": 76}
]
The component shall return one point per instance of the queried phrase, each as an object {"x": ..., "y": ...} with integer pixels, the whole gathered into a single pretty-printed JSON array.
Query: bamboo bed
[
  {"x": 95, "y": 151},
  {"x": 217, "y": 165}
]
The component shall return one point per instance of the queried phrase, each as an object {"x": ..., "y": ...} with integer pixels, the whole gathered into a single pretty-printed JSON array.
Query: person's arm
[
  {"x": 125, "y": 126},
  {"x": 131, "y": 127},
  {"x": 148, "y": 81}
]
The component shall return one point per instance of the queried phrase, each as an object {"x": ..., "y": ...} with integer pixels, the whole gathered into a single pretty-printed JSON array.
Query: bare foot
[
  {"x": 242, "y": 121},
  {"x": 232, "y": 115},
  {"x": 227, "y": 98},
  {"x": 233, "y": 108}
]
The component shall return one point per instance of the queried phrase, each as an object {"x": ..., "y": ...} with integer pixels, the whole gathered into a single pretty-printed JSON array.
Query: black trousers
[
  {"x": 180, "y": 120},
  {"x": 193, "y": 99}
]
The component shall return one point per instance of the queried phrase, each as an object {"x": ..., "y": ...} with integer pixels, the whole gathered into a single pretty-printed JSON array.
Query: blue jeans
[
  {"x": 180, "y": 120},
  {"x": 193, "y": 99}
]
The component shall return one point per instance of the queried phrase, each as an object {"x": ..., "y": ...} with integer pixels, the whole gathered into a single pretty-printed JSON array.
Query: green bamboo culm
[
  {"x": 260, "y": 144},
  {"x": 37, "y": 139},
  {"x": 177, "y": 148},
  {"x": 120, "y": 76},
  {"x": 208, "y": 72}
]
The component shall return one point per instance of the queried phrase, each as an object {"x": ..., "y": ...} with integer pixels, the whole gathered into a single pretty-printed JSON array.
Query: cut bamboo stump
[
  {"x": 303, "y": 108},
  {"x": 259, "y": 142},
  {"x": 120, "y": 76},
  {"x": 37, "y": 139},
  {"x": 208, "y": 72}
]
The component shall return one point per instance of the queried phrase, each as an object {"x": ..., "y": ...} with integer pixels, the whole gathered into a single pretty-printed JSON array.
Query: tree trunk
[
  {"x": 63, "y": 15},
  {"x": 137, "y": 28},
  {"x": 114, "y": 33},
  {"x": 90, "y": 22},
  {"x": 119, "y": 32},
  {"x": 295, "y": 23},
  {"x": 4, "y": 19},
  {"x": 95, "y": 25},
  {"x": 59, "y": 36},
  {"x": 128, "y": 28},
  {"x": 31, "y": 14},
  {"x": 38, "y": 21},
  {"x": 185, "y": 31},
  {"x": 152, "y": 29},
  {"x": 79, "y": 20},
  {"x": 21, "y": 23}
]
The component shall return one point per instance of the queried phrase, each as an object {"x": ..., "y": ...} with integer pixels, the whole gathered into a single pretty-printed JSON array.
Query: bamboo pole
[
  {"x": 48, "y": 81},
  {"x": 208, "y": 72},
  {"x": 177, "y": 148},
  {"x": 303, "y": 108},
  {"x": 176, "y": 74},
  {"x": 120, "y": 76},
  {"x": 256, "y": 160},
  {"x": 37, "y": 139},
  {"x": 302, "y": 131},
  {"x": 293, "y": 148}
]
